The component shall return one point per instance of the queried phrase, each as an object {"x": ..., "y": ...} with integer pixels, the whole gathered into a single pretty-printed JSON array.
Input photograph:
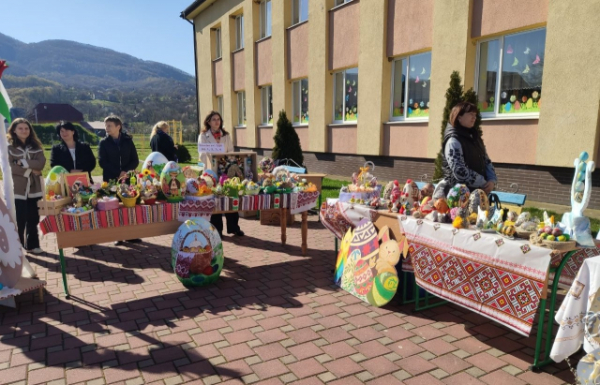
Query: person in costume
[
  {"x": 213, "y": 132},
  {"x": 465, "y": 159},
  {"x": 161, "y": 141},
  {"x": 70, "y": 153},
  {"x": 27, "y": 160}
]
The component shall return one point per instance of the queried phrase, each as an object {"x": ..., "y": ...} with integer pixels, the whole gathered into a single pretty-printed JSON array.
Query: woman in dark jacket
[
  {"x": 70, "y": 153},
  {"x": 465, "y": 159},
  {"x": 116, "y": 153},
  {"x": 161, "y": 141}
]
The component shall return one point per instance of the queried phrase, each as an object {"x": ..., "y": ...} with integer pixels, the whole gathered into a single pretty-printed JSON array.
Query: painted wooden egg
[
  {"x": 509, "y": 230},
  {"x": 383, "y": 290},
  {"x": 441, "y": 206},
  {"x": 191, "y": 186},
  {"x": 155, "y": 162},
  {"x": 478, "y": 198},
  {"x": 454, "y": 213},
  {"x": 11, "y": 255},
  {"x": 172, "y": 182},
  {"x": 210, "y": 177},
  {"x": 54, "y": 180},
  {"x": 197, "y": 253},
  {"x": 194, "y": 172},
  {"x": 363, "y": 277},
  {"x": 426, "y": 205},
  {"x": 458, "y": 196}
]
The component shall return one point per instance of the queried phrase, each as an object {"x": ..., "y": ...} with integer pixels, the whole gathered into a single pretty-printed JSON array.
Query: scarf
[{"x": 217, "y": 135}]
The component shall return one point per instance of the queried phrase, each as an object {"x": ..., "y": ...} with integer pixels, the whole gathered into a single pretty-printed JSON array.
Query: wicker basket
[
  {"x": 559, "y": 246},
  {"x": 129, "y": 202},
  {"x": 524, "y": 234}
]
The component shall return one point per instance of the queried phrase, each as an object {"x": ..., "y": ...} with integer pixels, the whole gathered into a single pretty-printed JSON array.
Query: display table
[
  {"x": 144, "y": 221},
  {"x": 579, "y": 314}
]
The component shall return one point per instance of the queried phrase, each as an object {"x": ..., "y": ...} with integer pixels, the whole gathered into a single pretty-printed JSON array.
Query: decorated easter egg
[
  {"x": 197, "y": 253},
  {"x": 363, "y": 277},
  {"x": 579, "y": 186},
  {"x": 172, "y": 182},
  {"x": 155, "y": 162},
  {"x": 54, "y": 180},
  {"x": 11, "y": 252},
  {"x": 529, "y": 103},
  {"x": 458, "y": 196},
  {"x": 426, "y": 205},
  {"x": 583, "y": 156},
  {"x": 191, "y": 186},
  {"x": 454, "y": 213},
  {"x": 194, "y": 172},
  {"x": 478, "y": 198},
  {"x": 210, "y": 174},
  {"x": 441, "y": 206},
  {"x": 383, "y": 290}
]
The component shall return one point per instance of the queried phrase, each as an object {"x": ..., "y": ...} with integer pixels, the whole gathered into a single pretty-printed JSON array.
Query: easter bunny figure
[{"x": 574, "y": 223}]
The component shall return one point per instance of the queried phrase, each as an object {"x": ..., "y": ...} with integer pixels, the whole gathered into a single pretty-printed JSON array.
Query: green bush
[
  {"x": 47, "y": 134},
  {"x": 183, "y": 155},
  {"x": 287, "y": 142}
]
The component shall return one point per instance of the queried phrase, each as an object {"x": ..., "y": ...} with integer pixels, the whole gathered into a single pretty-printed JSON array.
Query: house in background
[
  {"x": 54, "y": 113},
  {"x": 95, "y": 127}
]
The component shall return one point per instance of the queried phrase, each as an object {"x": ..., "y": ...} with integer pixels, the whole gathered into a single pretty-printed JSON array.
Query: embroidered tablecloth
[
  {"x": 338, "y": 216},
  {"x": 499, "y": 278},
  {"x": 579, "y": 314},
  {"x": 123, "y": 216}
]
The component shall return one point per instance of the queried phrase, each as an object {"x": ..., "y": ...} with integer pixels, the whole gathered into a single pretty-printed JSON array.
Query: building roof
[
  {"x": 94, "y": 125},
  {"x": 52, "y": 112},
  {"x": 192, "y": 8}
]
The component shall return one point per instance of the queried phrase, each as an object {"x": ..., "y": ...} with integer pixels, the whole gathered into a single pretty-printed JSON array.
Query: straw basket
[
  {"x": 523, "y": 234},
  {"x": 559, "y": 246},
  {"x": 129, "y": 202}
]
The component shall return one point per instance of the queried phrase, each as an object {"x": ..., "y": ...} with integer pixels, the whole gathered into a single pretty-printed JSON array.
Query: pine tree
[
  {"x": 454, "y": 95},
  {"x": 287, "y": 142}
]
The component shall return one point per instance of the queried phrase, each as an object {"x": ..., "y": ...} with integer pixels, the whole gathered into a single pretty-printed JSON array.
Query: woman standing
[
  {"x": 213, "y": 132},
  {"x": 27, "y": 161},
  {"x": 161, "y": 141},
  {"x": 70, "y": 153},
  {"x": 465, "y": 159}
]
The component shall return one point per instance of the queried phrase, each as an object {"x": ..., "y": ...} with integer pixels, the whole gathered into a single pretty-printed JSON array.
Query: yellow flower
[
  {"x": 146, "y": 172},
  {"x": 104, "y": 184}
]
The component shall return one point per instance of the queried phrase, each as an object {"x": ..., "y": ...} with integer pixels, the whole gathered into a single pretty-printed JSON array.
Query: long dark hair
[
  {"x": 67, "y": 126},
  {"x": 207, "y": 122},
  {"x": 32, "y": 140}
]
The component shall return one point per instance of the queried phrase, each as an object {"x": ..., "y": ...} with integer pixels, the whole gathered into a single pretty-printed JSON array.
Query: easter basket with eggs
[
  {"x": 553, "y": 238},
  {"x": 54, "y": 199},
  {"x": 364, "y": 186},
  {"x": 128, "y": 193}
]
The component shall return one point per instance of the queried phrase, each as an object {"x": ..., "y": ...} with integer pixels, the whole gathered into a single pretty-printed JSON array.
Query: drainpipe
[{"x": 182, "y": 15}]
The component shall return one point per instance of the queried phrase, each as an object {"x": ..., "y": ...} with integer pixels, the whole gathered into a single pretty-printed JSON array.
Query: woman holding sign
[{"x": 213, "y": 133}]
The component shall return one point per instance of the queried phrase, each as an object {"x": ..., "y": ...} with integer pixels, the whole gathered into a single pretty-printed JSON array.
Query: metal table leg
[{"x": 63, "y": 268}]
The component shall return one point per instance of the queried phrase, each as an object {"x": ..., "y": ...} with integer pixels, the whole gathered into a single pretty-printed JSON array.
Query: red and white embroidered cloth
[
  {"x": 338, "y": 216},
  {"x": 499, "y": 278}
]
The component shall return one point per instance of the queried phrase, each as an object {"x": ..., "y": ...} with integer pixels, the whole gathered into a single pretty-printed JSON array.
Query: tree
[
  {"x": 454, "y": 95},
  {"x": 287, "y": 142}
]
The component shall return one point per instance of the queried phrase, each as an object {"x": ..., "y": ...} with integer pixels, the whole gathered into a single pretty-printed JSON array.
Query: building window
[
  {"x": 509, "y": 73},
  {"x": 220, "y": 104},
  {"x": 266, "y": 96},
  {"x": 265, "y": 18},
  {"x": 299, "y": 11},
  {"x": 217, "y": 43},
  {"x": 239, "y": 32},
  {"x": 410, "y": 87},
  {"x": 346, "y": 96},
  {"x": 241, "y": 108},
  {"x": 300, "y": 101},
  {"x": 340, "y": 2}
]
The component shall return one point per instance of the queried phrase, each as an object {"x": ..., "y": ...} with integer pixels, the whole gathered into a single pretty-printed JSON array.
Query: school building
[{"x": 366, "y": 80}]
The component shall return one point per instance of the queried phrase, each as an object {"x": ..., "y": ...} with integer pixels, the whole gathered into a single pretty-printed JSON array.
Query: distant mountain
[{"x": 96, "y": 80}]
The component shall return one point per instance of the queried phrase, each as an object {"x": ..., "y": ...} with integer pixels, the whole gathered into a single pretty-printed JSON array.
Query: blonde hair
[{"x": 158, "y": 126}]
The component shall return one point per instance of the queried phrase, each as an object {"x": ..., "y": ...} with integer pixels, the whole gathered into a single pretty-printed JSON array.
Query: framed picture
[{"x": 75, "y": 180}]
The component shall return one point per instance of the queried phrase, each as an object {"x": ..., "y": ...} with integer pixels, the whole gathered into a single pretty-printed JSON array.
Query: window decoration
[
  {"x": 267, "y": 104},
  {"x": 411, "y": 87},
  {"x": 346, "y": 95},
  {"x": 300, "y": 101}
]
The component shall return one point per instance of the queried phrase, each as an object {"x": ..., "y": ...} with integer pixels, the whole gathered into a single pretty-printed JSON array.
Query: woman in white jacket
[{"x": 213, "y": 132}]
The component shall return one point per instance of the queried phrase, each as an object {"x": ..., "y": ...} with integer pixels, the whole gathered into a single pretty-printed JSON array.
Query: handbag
[{"x": 495, "y": 204}]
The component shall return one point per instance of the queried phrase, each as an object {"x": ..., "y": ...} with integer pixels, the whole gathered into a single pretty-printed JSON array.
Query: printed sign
[{"x": 213, "y": 148}]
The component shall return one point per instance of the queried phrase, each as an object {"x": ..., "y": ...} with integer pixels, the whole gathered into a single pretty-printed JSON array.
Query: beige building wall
[
  {"x": 239, "y": 71},
  {"x": 499, "y": 17},
  {"x": 218, "y": 76},
  {"x": 409, "y": 28},
  {"x": 297, "y": 42},
  {"x": 405, "y": 139},
  {"x": 344, "y": 35},
  {"x": 264, "y": 62},
  {"x": 251, "y": 29}
]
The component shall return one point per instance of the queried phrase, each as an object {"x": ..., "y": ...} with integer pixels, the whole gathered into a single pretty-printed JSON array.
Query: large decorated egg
[
  {"x": 426, "y": 205},
  {"x": 210, "y": 177},
  {"x": 478, "y": 198},
  {"x": 383, "y": 290},
  {"x": 54, "y": 180},
  {"x": 191, "y": 186},
  {"x": 172, "y": 182},
  {"x": 363, "y": 277},
  {"x": 458, "y": 196},
  {"x": 194, "y": 172},
  {"x": 441, "y": 206},
  {"x": 11, "y": 252},
  {"x": 155, "y": 162},
  {"x": 197, "y": 253}
]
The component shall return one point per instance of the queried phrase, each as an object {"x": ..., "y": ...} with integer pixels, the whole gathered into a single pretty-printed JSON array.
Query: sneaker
[
  {"x": 37, "y": 250},
  {"x": 136, "y": 240},
  {"x": 118, "y": 243},
  {"x": 238, "y": 233}
]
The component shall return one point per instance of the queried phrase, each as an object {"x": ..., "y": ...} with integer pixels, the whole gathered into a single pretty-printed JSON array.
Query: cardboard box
[{"x": 272, "y": 217}]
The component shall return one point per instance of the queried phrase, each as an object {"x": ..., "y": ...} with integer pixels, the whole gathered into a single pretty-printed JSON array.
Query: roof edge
[{"x": 192, "y": 10}]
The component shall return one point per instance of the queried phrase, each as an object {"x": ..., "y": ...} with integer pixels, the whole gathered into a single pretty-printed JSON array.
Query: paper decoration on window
[
  {"x": 503, "y": 95},
  {"x": 416, "y": 81},
  {"x": 423, "y": 71},
  {"x": 422, "y": 104},
  {"x": 526, "y": 70},
  {"x": 526, "y": 52},
  {"x": 424, "y": 84},
  {"x": 507, "y": 107},
  {"x": 537, "y": 60},
  {"x": 509, "y": 50},
  {"x": 515, "y": 62}
]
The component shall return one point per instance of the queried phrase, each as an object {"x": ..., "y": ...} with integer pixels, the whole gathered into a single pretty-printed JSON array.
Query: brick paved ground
[{"x": 273, "y": 317}]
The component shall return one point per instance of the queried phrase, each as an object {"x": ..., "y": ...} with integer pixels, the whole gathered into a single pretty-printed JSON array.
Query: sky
[{"x": 146, "y": 29}]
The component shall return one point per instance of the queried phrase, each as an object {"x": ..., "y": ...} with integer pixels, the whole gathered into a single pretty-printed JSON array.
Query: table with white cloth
[{"x": 579, "y": 315}]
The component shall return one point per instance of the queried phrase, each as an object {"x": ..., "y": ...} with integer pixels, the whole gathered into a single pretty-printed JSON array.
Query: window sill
[
  {"x": 244, "y": 126},
  {"x": 263, "y": 39},
  {"x": 265, "y": 125},
  {"x": 300, "y": 125},
  {"x": 218, "y": 59},
  {"x": 343, "y": 124},
  {"x": 341, "y": 5},
  {"x": 237, "y": 50},
  {"x": 405, "y": 121},
  {"x": 515, "y": 117},
  {"x": 297, "y": 24}
]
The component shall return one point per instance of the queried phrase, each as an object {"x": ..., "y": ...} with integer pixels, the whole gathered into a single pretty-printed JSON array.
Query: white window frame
[
  {"x": 218, "y": 47},
  {"x": 405, "y": 108},
  {"x": 297, "y": 11},
  {"x": 239, "y": 32},
  {"x": 496, "y": 114},
  {"x": 297, "y": 101},
  {"x": 266, "y": 22},
  {"x": 241, "y": 108},
  {"x": 220, "y": 104},
  {"x": 343, "y": 121},
  {"x": 265, "y": 105}
]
